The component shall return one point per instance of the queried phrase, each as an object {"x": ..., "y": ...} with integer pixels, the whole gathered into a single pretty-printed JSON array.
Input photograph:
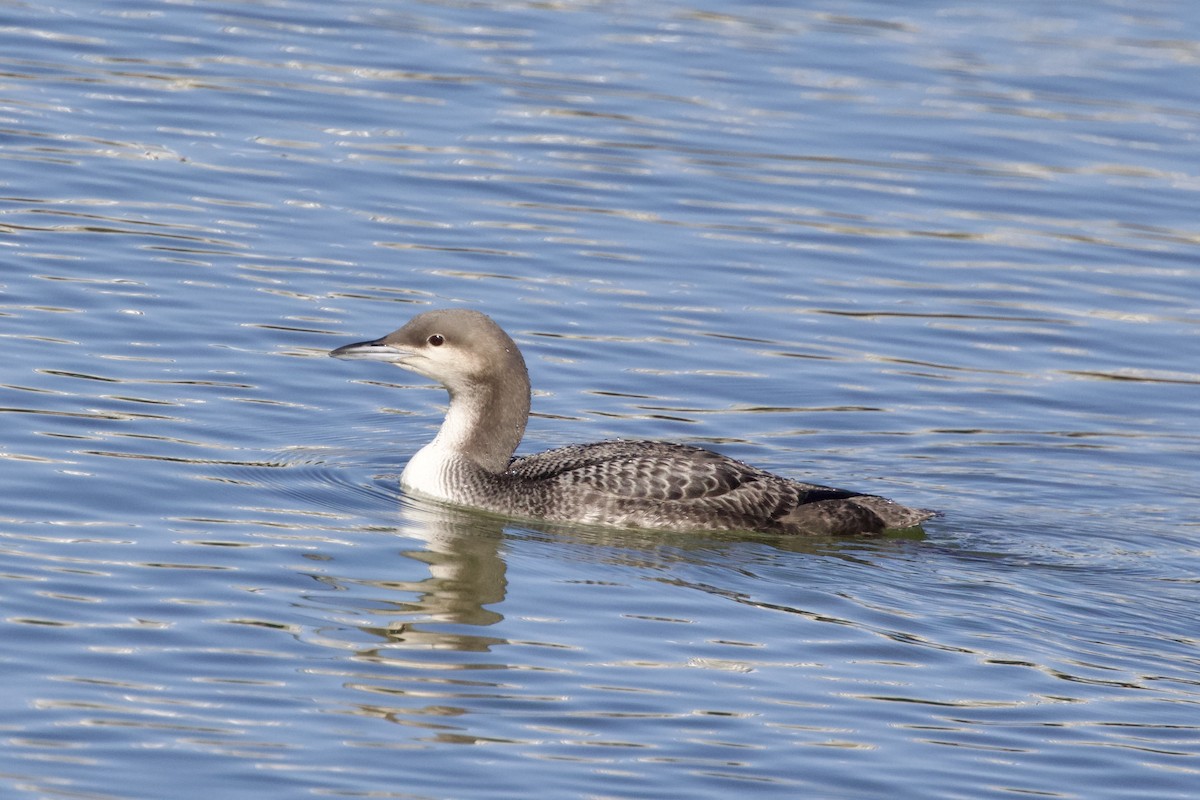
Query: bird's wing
[{"x": 658, "y": 471}]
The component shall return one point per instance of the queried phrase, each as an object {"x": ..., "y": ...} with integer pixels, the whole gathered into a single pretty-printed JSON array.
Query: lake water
[{"x": 947, "y": 253}]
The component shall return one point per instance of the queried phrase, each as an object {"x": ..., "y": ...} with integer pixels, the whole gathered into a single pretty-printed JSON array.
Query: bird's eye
[{"x": 436, "y": 339}]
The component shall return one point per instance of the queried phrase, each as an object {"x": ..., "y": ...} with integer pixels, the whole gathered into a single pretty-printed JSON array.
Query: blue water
[{"x": 945, "y": 253}]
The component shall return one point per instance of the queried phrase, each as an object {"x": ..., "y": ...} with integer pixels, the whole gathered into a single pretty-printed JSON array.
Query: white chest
[{"x": 428, "y": 472}]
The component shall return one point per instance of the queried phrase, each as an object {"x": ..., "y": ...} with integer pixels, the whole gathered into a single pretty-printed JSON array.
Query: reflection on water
[
  {"x": 461, "y": 629},
  {"x": 466, "y": 580}
]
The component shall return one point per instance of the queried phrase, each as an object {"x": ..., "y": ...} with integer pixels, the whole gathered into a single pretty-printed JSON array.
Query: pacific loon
[{"x": 641, "y": 484}]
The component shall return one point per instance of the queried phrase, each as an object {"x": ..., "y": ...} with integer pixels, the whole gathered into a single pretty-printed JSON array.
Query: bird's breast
[{"x": 429, "y": 473}]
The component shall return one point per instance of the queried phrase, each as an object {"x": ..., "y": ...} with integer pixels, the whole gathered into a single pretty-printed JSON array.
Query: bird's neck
[{"x": 485, "y": 422}]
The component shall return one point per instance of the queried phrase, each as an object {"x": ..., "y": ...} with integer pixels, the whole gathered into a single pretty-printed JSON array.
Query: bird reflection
[{"x": 466, "y": 580}]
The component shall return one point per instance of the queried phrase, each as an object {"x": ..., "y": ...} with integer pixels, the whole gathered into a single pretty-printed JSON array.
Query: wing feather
[
  {"x": 662, "y": 471},
  {"x": 664, "y": 485}
]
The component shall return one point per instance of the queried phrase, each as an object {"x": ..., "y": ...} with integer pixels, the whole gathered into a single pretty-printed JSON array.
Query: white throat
[{"x": 430, "y": 470}]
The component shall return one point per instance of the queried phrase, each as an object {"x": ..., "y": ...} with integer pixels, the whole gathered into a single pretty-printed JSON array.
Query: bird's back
[{"x": 665, "y": 485}]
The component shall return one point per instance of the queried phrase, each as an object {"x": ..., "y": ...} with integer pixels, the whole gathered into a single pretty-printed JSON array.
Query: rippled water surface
[{"x": 946, "y": 253}]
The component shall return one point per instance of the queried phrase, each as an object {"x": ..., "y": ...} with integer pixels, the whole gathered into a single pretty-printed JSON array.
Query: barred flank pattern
[{"x": 662, "y": 485}]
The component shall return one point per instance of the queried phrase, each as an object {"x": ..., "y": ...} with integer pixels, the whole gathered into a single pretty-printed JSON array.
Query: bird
[{"x": 619, "y": 483}]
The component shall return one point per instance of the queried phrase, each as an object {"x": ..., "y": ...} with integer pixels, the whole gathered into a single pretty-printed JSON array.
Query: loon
[{"x": 631, "y": 484}]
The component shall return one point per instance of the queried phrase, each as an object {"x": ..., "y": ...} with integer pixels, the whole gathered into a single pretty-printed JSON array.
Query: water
[{"x": 943, "y": 253}]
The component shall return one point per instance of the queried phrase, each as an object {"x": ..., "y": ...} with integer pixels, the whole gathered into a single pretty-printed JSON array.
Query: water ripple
[{"x": 947, "y": 257}]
